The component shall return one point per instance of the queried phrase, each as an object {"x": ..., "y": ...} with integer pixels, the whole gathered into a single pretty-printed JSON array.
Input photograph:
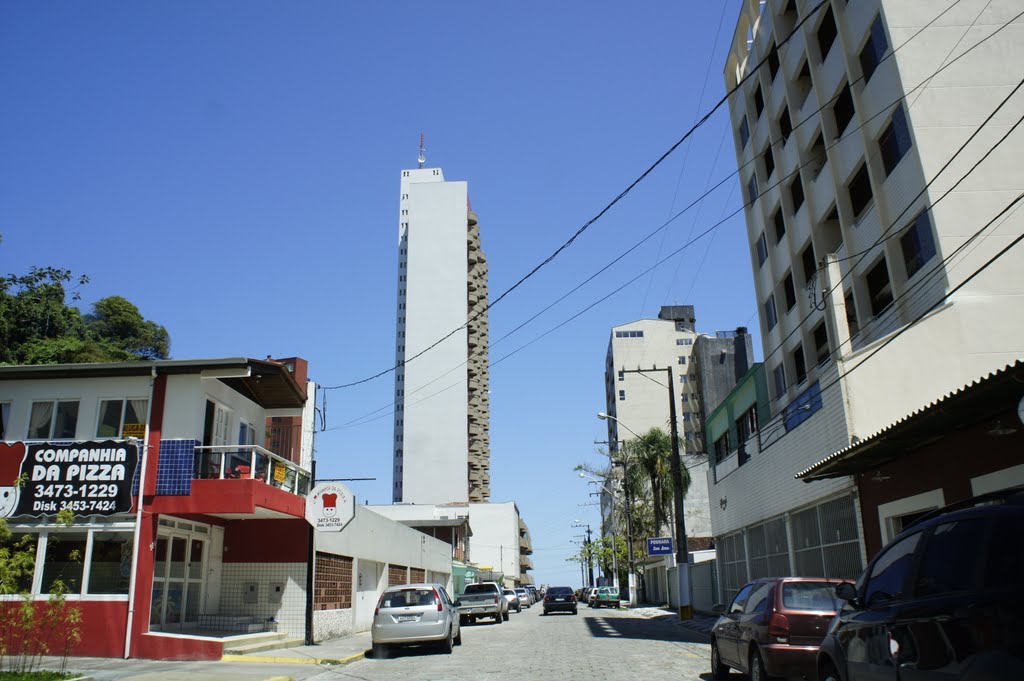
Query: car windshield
[
  {"x": 809, "y": 596},
  {"x": 479, "y": 589},
  {"x": 408, "y": 597},
  {"x": 559, "y": 591}
]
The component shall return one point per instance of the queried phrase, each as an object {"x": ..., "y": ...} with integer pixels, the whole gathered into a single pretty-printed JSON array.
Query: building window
[
  {"x": 860, "y": 191},
  {"x": 5, "y": 417},
  {"x": 758, "y": 102},
  {"x": 622, "y": 376},
  {"x": 895, "y": 141},
  {"x": 799, "y": 364},
  {"x": 122, "y": 418},
  {"x": 53, "y": 420},
  {"x": 796, "y": 192},
  {"x": 790, "y": 291},
  {"x": 752, "y": 189},
  {"x": 629, "y": 334},
  {"x": 821, "y": 342},
  {"x": 874, "y": 49},
  {"x": 843, "y": 110},
  {"x": 780, "y": 225},
  {"x": 722, "y": 448},
  {"x": 803, "y": 82},
  {"x": 686, "y": 397},
  {"x": 773, "y": 61},
  {"x": 684, "y": 341},
  {"x": 826, "y": 33},
  {"x": 762, "y": 250},
  {"x": 809, "y": 263},
  {"x": 622, "y": 396},
  {"x": 682, "y": 359},
  {"x": 879, "y": 287},
  {"x": 851, "y": 315},
  {"x": 785, "y": 126},
  {"x": 770, "y": 316},
  {"x": 769, "y": 162},
  {"x": 779, "y": 373},
  {"x": 818, "y": 156},
  {"x": 686, "y": 416},
  {"x": 917, "y": 244},
  {"x": 683, "y": 380},
  {"x": 744, "y": 132}
]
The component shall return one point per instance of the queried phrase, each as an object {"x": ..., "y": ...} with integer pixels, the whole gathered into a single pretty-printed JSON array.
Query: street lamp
[
  {"x": 682, "y": 550},
  {"x": 615, "y": 543}
]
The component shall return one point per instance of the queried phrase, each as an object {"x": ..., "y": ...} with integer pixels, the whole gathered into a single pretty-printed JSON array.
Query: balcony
[{"x": 227, "y": 462}]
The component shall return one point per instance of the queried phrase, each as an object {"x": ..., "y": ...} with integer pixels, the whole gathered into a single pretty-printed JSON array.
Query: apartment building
[
  {"x": 442, "y": 384},
  {"x": 876, "y": 266}
]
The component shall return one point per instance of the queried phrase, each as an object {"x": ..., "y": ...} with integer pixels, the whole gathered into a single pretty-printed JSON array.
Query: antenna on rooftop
[{"x": 423, "y": 155}]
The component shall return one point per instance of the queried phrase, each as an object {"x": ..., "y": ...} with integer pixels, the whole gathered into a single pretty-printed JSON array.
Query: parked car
[
  {"x": 773, "y": 627},
  {"x": 560, "y": 599},
  {"x": 943, "y": 600},
  {"x": 513, "y": 600},
  {"x": 415, "y": 613},
  {"x": 484, "y": 599},
  {"x": 591, "y": 596},
  {"x": 525, "y": 597},
  {"x": 535, "y": 594},
  {"x": 606, "y": 597}
]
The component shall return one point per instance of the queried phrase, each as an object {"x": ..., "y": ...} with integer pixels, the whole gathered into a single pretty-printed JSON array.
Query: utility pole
[
  {"x": 587, "y": 549},
  {"x": 682, "y": 550}
]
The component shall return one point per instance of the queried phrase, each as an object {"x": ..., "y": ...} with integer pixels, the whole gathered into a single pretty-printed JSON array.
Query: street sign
[
  {"x": 330, "y": 506},
  {"x": 659, "y": 546}
]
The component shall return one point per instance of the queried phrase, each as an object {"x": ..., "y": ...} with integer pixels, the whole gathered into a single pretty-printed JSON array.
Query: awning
[{"x": 974, "y": 403}]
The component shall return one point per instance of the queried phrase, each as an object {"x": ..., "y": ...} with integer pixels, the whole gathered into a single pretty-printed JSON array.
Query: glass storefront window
[
  {"x": 65, "y": 556},
  {"x": 21, "y": 550},
  {"x": 110, "y": 565}
]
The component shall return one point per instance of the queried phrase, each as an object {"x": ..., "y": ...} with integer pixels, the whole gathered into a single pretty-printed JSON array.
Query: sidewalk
[
  {"x": 701, "y": 623},
  {"x": 333, "y": 652}
]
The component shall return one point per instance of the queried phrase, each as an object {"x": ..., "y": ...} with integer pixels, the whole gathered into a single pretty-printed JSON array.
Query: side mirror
[
  {"x": 457, "y": 603},
  {"x": 847, "y": 592},
  {"x": 718, "y": 608}
]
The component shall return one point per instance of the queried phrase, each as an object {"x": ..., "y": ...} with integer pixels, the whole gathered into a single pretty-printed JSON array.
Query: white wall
[
  {"x": 495, "y": 539},
  {"x": 433, "y": 468},
  {"x": 185, "y": 408}
]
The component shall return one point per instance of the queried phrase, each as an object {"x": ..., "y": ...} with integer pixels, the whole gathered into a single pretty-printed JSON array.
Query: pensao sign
[
  {"x": 92, "y": 477},
  {"x": 330, "y": 506}
]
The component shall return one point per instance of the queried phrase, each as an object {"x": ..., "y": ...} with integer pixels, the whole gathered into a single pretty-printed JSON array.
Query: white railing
[{"x": 224, "y": 462}]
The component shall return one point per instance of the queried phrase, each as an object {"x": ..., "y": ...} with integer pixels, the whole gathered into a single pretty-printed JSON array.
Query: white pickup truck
[{"x": 485, "y": 599}]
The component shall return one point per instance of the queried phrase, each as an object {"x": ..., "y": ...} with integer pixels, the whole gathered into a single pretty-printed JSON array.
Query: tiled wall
[
  {"x": 397, "y": 574},
  {"x": 290, "y": 613},
  {"x": 328, "y": 624},
  {"x": 174, "y": 471},
  {"x": 333, "y": 587}
]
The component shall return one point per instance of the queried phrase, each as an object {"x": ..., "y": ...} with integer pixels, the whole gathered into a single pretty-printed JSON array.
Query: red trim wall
[
  {"x": 102, "y": 628},
  {"x": 229, "y": 496},
  {"x": 266, "y": 541},
  {"x": 155, "y": 647}
]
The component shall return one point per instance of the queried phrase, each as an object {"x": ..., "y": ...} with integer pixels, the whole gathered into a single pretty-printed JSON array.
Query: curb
[{"x": 274, "y": 659}]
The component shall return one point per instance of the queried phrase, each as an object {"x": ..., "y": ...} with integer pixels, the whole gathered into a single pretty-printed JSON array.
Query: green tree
[{"x": 117, "y": 321}]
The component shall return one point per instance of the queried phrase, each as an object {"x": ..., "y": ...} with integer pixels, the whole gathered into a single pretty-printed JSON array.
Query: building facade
[
  {"x": 877, "y": 269},
  {"x": 442, "y": 384}
]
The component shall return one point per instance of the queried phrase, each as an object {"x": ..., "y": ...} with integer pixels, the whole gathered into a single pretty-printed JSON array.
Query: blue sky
[{"x": 233, "y": 169}]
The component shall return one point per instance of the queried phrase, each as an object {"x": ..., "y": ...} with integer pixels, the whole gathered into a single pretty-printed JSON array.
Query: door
[
  {"x": 368, "y": 574},
  {"x": 178, "y": 571},
  {"x": 727, "y": 631}
]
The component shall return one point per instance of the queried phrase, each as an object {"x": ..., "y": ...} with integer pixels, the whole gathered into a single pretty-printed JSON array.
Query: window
[
  {"x": 843, "y": 110},
  {"x": 683, "y": 379},
  {"x": 770, "y": 316},
  {"x": 744, "y": 132},
  {"x": 122, "y": 418},
  {"x": 5, "y": 417},
  {"x": 860, "y": 191},
  {"x": 684, "y": 341},
  {"x": 773, "y": 61},
  {"x": 818, "y": 156},
  {"x": 762, "y": 250},
  {"x": 799, "y": 364},
  {"x": 950, "y": 558},
  {"x": 895, "y": 141},
  {"x": 622, "y": 396},
  {"x": 874, "y": 49},
  {"x": 110, "y": 551},
  {"x": 64, "y": 561},
  {"x": 752, "y": 189},
  {"x": 746, "y": 425},
  {"x": 629, "y": 334},
  {"x": 851, "y": 315},
  {"x": 769, "y": 162},
  {"x": 622, "y": 376},
  {"x": 917, "y": 244},
  {"x": 758, "y": 102},
  {"x": 779, "y": 374},
  {"x": 821, "y": 342},
  {"x": 810, "y": 264},
  {"x": 682, "y": 359},
  {"x": 722, "y": 448},
  {"x": 780, "y": 225},
  {"x": 890, "y": 572},
  {"x": 758, "y": 601},
  {"x": 790, "y": 291},
  {"x": 785, "y": 125},
  {"x": 741, "y": 599},
  {"x": 1005, "y": 560},
  {"x": 826, "y": 33},
  {"x": 803, "y": 82},
  {"x": 879, "y": 288},
  {"x": 53, "y": 420},
  {"x": 796, "y": 193}
]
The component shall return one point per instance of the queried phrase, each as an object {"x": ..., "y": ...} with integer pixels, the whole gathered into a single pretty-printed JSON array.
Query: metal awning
[{"x": 974, "y": 403}]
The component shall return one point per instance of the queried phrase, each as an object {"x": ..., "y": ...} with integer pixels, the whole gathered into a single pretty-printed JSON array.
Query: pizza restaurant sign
[
  {"x": 330, "y": 506},
  {"x": 89, "y": 477}
]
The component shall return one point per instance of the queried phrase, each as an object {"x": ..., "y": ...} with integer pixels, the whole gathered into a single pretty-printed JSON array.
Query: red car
[{"x": 773, "y": 627}]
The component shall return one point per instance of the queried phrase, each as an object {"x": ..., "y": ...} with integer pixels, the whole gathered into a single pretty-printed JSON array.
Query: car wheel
[
  {"x": 757, "y": 672},
  {"x": 718, "y": 670},
  {"x": 519, "y": 609},
  {"x": 380, "y": 651},
  {"x": 448, "y": 643},
  {"x": 504, "y": 616},
  {"x": 498, "y": 618},
  {"x": 828, "y": 672},
  {"x": 574, "y": 612},
  {"x": 458, "y": 638}
]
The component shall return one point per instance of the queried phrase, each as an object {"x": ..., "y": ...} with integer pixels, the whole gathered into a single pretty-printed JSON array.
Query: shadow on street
[{"x": 653, "y": 630}]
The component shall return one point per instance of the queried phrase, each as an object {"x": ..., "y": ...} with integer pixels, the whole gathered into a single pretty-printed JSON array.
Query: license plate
[
  {"x": 559, "y": 599},
  {"x": 407, "y": 618}
]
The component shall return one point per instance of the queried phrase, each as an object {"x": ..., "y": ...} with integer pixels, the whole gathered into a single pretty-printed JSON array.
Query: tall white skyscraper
[{"x": 442, "y": 445}]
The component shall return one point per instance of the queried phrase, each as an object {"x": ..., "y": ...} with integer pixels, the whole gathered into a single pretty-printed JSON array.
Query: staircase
[{"x": 248, "y": 644}]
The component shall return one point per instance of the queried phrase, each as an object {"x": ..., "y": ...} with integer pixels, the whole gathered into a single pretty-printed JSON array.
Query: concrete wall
[{"x": 495, "y": 539}]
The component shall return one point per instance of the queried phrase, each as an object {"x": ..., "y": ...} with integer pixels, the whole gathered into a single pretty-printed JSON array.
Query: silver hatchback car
[{"x": 415, "y": 614}]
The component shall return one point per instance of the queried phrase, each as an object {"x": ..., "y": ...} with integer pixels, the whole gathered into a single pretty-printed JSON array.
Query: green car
[{"x": 607, "y": 596}]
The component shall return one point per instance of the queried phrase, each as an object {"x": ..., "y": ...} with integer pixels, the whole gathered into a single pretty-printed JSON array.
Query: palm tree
[{"x": 650, "y": 467}]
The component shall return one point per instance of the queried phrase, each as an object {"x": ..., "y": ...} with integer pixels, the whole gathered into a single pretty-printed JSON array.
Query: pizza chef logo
[
  {"x": 330, "y": 505},
  {"x": 12, "y": 456}
]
